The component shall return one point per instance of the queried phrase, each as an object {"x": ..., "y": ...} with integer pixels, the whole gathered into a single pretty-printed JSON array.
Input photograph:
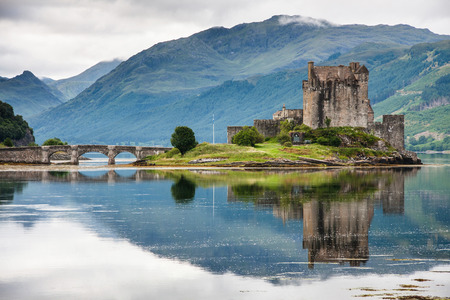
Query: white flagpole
[{"x": 213, "y": 129}]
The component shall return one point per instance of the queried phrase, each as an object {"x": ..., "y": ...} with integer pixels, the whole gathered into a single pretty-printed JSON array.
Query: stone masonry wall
[
  {"x": 232, "y": 131},
  {"x": 268, "y": 128},
  {"x": 29, "y": 155},
  {"x": 392, "y": 129}
]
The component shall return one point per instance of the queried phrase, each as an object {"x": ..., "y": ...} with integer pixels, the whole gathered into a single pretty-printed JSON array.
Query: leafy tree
[
  {"x": 53, "y": 142},
  {"x": 183, "y": 138},
  {"x": 248, "y": 136},
  {"x": 8, "y": 142},
  {"x": 422, "y": 140}
]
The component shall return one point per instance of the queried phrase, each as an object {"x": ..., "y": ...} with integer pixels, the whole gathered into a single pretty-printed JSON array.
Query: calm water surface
[{"x": 203, "y": 234}]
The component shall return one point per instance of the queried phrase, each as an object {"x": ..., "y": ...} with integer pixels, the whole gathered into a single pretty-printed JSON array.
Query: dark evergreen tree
[{"x": 183, "y": 138}]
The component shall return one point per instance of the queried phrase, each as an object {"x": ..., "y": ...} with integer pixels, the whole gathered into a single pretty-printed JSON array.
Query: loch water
[{"x": 225, "y": 234}]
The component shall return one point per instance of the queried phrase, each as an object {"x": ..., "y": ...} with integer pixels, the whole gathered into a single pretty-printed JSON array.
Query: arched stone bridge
[{"x": 41, "y": 155}]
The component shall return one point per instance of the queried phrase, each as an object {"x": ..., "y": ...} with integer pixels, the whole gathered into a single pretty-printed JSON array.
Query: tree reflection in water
[
  {"x": 183, "y": 191},
  {"x": 8, "y": 189}
]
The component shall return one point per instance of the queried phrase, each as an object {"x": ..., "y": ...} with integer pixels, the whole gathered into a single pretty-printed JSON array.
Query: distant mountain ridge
[
  {"x": 69, "y": 88},
  {"x": 238, "y": 74},
  {"x": 27, "y": 94}
]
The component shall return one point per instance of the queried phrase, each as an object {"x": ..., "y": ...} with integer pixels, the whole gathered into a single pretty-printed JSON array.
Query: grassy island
[{"x": 356, "y": 147}]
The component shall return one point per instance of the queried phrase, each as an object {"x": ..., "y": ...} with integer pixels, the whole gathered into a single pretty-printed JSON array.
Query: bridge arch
[
  {"x": 122, "y": 155},
  {"x": 63, "y": 154},
  {"x": 48, "y": 151}
]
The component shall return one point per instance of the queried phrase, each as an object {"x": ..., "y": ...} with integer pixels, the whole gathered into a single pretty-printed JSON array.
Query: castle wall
[
  {"x": 268, "y": 128},
  {"x": 392, "y": 129},
  {"x": 232, "y": 131}
]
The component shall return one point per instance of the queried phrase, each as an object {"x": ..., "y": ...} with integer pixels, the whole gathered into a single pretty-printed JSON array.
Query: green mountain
[
  {"x": 27, "y": 94},
  {"x": 419, "y": 87},
  {"x": 238, "y": 74},
  {"x": 69, "y": 88}
]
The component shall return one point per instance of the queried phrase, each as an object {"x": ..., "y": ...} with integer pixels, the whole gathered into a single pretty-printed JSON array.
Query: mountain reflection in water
[{"x": 266, "y": 224}]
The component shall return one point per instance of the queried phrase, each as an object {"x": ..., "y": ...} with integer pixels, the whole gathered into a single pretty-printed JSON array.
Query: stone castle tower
[{"x": 338, "y": 93}]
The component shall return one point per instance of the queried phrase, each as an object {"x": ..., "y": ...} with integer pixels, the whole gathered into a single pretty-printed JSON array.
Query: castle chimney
[{"x": 310, "y": 68}]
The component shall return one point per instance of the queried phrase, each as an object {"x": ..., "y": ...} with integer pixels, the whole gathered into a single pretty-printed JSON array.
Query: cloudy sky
[{"x": 61, "y": 38}]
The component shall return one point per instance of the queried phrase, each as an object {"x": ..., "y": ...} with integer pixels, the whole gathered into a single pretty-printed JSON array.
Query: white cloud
[
  {"x": 60, "y": 38},
  {"x": 60, "y": 259},
  {"x": 284, "y": 20}
]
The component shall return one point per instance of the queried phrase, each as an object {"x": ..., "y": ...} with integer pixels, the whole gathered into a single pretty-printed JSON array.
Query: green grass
[
  {"x": 233, "y": 153},
  {"x": 268, "y": 151}
]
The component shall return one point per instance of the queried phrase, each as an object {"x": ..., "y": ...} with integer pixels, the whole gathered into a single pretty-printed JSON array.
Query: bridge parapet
[{"x": 41, "y": 155}]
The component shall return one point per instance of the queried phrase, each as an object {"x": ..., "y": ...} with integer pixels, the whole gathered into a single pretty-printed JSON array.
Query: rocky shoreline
[{"x": 405, "y": 158}]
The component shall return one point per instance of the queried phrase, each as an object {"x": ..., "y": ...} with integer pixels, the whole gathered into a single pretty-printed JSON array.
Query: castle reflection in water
[{"x": 336, "y": 220}]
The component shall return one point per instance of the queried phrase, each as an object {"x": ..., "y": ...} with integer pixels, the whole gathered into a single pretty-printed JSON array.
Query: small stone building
[{"x": 288, "y": 114}]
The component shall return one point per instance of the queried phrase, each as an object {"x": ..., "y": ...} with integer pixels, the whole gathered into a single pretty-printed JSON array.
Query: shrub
[
  {"x": 286, "y": 126},
  {"x": 303, "y": 128},
  {"x": 183, "y": 138},
  {"x": 172, "y": 153},
  {"x": 329, "y": 141},
  {"x": 248, "y": 136},
  {"x": 306, "y": 130},
  {"x": 53, "y": 142},
  {"x": 8, "y": 142},
  {"x": 287, "y": 144},
  {"x": 283, "y": 137},
  {"x": 335, "y": 141},
  {"x": 323, "y": 141}
]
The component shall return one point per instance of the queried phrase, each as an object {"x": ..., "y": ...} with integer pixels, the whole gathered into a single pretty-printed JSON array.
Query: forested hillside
[
  {"x": 422, "y": 93},
  {"x": 13, "y": 126}
]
